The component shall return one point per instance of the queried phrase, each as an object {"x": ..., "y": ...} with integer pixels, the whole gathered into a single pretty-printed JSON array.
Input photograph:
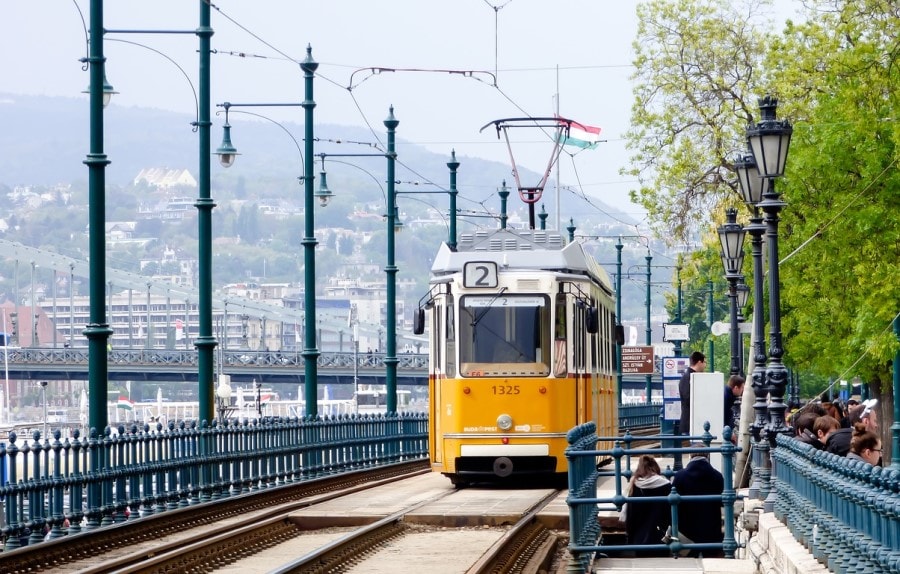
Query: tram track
[
  {"x": 316, "y": 539},
  {"x": 120, "y": 547}
]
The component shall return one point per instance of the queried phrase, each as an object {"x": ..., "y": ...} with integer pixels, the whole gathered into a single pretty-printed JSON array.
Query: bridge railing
[
  {"x": 639, "y": 416},
  {"x": 585, "y": 505},
  {"x": 230, "y": 358},
  {"x": 58, "y": 486},
  {"x": 847, "y": 513}
]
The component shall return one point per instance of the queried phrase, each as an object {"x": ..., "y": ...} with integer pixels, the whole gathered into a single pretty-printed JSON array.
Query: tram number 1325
[{"x": 505, "y": 389}]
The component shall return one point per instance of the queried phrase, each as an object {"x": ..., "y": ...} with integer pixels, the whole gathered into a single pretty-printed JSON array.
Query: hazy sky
[{"x": 579, "y": 49}]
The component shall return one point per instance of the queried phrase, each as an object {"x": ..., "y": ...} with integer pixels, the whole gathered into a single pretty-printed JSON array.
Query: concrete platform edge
[{"x": 775, "y": 551}]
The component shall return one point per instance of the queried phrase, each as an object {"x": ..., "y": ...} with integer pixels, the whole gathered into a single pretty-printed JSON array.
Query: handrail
[
  {"x": 584, "y": 503},
  {"x": 152, "y": 469},
  {"x": 845, "y": 512}
]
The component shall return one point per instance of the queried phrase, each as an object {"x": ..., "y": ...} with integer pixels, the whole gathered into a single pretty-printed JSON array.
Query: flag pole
[{"x": 557, "y": 159}]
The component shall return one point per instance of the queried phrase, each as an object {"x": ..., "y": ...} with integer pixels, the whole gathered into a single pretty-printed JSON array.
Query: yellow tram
[{"x": 522, "y": 349}]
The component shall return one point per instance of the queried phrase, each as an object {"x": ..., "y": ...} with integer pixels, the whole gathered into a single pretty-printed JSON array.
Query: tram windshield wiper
[{"x": 487, "y": 307}]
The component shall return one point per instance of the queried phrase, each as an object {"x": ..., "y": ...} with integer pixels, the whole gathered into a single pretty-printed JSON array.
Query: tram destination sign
[{"x": 637, "y": 360}]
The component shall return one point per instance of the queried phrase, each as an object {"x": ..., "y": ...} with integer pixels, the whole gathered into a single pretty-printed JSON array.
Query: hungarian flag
[
  {"x": 124, "y": 403},
  {"x": 580, "y": 135}
]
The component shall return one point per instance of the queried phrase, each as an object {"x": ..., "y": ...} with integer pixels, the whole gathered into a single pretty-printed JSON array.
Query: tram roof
[{"x": 519, "y": 249}]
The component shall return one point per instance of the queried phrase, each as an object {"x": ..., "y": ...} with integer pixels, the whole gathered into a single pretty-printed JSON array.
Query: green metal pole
[
  {"x": 649, "y": 381},
  {"x": 205, "y": 343},
  {"x": 453, "y": 165},
  {"x": 98, "y": 330},
  {"x": 619, "y": 247},
  {"x": 678, "y": 309},
  {"x": 571, "y": 230},
  {"x": 711, "y": 358},
  {"x": 542, "y": 216},
  {"x": 895, "y": 427},
  {"x": 390, "y": 270},
  {"x": 310, "y": 352}
]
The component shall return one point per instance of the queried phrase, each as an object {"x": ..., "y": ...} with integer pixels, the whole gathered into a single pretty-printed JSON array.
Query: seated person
[
  {"x": 700, "y": 520},
  {"x": 647, "y": 522}
]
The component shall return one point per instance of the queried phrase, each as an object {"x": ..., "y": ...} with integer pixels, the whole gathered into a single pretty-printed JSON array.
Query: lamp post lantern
[{"x": 223, "y": 396}]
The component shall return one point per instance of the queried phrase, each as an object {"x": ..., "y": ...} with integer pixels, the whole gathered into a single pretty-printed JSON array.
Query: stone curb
[{"x": 775, "y": 550}]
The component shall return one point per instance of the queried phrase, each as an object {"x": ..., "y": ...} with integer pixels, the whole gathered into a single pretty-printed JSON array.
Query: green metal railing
[
  {"x": 585, "y": 505},
  {"x": 639, "y": 416},
  {"x": 48, "y": 490},
  {"x": 847, "y": 513}
]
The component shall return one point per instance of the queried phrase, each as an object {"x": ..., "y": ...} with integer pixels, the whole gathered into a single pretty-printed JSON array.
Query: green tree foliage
[
  {"x": 700, "y": 67},
  {"x": 838, "y": 75},
  {"x": 696, "y": 63}
]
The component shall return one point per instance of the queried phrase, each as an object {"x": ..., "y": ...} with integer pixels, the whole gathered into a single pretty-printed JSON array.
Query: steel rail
[{"x": 95, "y": 546}]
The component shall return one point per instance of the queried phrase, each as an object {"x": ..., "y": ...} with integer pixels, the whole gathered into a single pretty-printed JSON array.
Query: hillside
[{"x": 258, "y": 222}]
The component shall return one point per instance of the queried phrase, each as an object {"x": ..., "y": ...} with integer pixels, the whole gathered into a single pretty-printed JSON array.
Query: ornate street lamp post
[
  {"x": 205, "y": 342},
  {"x": 97, "y": 330},
  {"x": 769, "y": 141},
  {"x": 649, "y": 380},
  {"x": 751, "y": 185},
  {"x": 227, "y": 154},
  {"x": 619, "y": 247},
  {"x": 731, "y": 236}
]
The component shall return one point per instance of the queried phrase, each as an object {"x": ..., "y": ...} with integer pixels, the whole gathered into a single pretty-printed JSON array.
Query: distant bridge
[{"x": 160, "y": 365}]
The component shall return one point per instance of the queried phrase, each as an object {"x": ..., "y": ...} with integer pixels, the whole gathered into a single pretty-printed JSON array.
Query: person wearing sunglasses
[{"x": 865, "y": 445}]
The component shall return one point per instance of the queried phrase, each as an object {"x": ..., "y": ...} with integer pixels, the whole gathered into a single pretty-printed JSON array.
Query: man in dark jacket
[
  {"x": 838, "y": 442},
  {"x": 700, "y": 520}
]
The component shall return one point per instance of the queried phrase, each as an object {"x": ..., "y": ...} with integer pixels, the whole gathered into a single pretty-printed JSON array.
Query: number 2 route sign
[{"x": 637, "y": 360}]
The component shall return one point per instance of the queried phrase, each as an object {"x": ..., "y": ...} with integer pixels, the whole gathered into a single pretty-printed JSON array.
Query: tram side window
[
  {"x": 559, "y": 336},
  {"x": 578, "y": 335},
  {"x": 451, "y": 338},
  {"x": 436, "y": 343}
]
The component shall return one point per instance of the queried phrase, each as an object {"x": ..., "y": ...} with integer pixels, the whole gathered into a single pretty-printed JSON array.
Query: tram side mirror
[
  {"x": 592, "y": 320},
  {"x": 620, "y": 334},
  {"x": 419, "y": 321}
]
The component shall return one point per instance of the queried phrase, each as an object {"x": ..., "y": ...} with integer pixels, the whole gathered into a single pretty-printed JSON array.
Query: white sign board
[
  {"x": 708, "y": 404},
  {"x": 676, "y": 332}
]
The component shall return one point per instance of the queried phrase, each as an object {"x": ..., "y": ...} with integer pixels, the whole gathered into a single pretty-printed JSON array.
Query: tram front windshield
[{"x": 504, "y": 329}]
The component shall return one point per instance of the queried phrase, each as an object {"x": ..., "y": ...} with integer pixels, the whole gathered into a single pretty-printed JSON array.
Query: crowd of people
[{"x": 850, "y": 432}]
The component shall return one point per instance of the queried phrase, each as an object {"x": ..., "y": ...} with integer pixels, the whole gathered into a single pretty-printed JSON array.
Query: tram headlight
[{"x": 504, "y": 422}]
